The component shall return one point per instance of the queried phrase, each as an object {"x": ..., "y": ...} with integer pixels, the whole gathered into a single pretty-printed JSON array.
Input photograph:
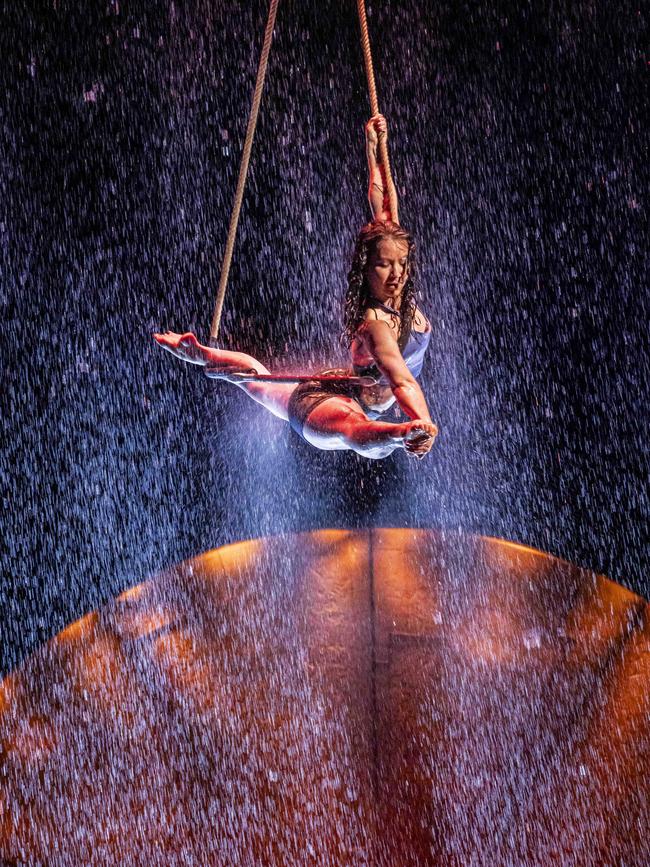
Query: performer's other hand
[
  {"x": 376, "y": 128},
  {"x": 420, "y": 438}
]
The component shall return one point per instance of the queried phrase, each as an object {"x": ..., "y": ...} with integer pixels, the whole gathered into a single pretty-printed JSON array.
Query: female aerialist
[{"x": 388, "y": 337}]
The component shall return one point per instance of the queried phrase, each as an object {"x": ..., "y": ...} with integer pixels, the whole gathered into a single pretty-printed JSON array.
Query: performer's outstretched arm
[
  {"x": 378, "y": 187},
  {"x": 384, "y": 348}
]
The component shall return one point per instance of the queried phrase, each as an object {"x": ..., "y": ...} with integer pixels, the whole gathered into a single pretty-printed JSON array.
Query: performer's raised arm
[{"x": 378, "y": 186}]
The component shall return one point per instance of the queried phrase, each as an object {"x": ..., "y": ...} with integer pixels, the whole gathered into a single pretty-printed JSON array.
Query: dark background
[{"x": 520, "y": 150}]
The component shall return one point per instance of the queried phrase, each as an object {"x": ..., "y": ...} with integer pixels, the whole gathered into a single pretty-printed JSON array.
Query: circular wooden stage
[{"x": 379, "y": 697}]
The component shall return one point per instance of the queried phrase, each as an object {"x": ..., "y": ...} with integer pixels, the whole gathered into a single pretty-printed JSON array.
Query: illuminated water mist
[{"x": 520, "y": 155}]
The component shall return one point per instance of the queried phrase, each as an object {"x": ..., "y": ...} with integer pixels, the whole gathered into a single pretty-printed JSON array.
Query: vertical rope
[
  {"x": 374, "y": 108},
  {"x": 243, "y": 172}
]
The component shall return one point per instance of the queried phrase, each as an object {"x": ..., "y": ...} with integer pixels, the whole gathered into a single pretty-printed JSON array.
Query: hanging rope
[
  {"x": 248, "y": 144},
  {"x": 374, "y": 108},
  {"x": 243, "y": 171}
]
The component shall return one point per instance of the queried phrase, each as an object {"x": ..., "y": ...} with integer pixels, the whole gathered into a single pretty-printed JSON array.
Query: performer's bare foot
[
  {"x": 216, "y": 363},
  {"x": 184, "y": 346}
]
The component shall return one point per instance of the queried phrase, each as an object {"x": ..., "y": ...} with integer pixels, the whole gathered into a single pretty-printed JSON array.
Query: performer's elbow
[{"x": 402, "y": 381}]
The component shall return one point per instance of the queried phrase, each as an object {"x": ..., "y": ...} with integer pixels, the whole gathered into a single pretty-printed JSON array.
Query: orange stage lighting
[{"x": 384, "y": 697}]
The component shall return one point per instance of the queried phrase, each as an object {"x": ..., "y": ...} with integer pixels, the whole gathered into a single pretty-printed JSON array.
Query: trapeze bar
[{"x": 362, "y": 381}]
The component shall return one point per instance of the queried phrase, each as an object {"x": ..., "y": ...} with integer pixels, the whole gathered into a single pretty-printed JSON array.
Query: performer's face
[{"x": 387, "y": 270}]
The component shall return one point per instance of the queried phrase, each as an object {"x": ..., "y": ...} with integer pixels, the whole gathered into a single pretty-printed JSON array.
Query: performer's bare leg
[
  {"x": 340, "y": 423},
  {"x": 273, "y": 396}
]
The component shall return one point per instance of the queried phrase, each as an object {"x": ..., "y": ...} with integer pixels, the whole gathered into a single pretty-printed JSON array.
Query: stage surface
[{"x": 379, "y": 697}]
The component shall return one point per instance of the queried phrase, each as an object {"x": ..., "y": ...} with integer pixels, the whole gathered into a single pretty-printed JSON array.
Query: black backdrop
[{"x": 519, "y": 143}]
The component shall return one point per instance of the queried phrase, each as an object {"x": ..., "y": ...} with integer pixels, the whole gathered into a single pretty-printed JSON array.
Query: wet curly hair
[{"x": 358, "y": 297}]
